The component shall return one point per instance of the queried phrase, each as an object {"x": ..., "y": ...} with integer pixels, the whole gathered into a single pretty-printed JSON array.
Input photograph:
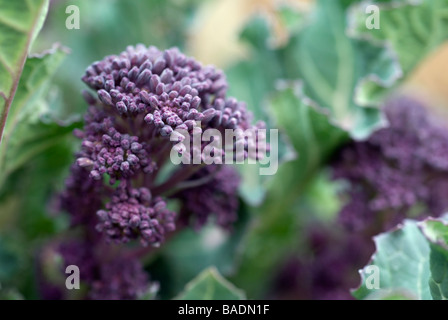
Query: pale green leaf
[
  {"x": 210, "y": 285},
  {"x": 436, "y": 231},
  {"x": 413, "y": 29},
  {"x": 20, "y": 22},
  {"x": 402, "y": 256},
  {"x": 25, "y": 134},
  {"x": 333, "y": 66}
]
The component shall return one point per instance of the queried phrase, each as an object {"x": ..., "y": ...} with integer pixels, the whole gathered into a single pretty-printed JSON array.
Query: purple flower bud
[
  {"x": 166, "y": 131},
  {"x": 95, "y": 175},
  {"x": 160, "y": 88},
  {"x": 121, "y": 107},
  {"x": 145, "y": 97},
  {"x": 124, "y": 166},
  {"x": 166, "y": 76},
  {"x": 149, "y": 118},
  {"x": 153, "y": 83},
  {"x": 105, "y": 97},
  {"x": 133, "y": 74},
  {"x": 84, "y": 162},
  {"x": 159, "y": 65},
  {"x": 143, "y": 78}
]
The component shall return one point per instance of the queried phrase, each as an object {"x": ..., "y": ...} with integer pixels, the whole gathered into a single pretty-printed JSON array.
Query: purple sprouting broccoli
[
  {"x": 217, "y": 194},
  {"x": 400, "y": 171},
  {"x": 144, "y": 96},
  {"x": 144, "y": 104},
  {"x": 134, "y": 214},
  {"x": 328, "y": 270},
  {"x": 107, "y": 275}
]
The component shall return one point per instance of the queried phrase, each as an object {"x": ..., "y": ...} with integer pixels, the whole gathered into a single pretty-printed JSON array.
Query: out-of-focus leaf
[
  {"x": 25, "y": 134},
  {"x": 276, "y": 222},
  {"x": 322, "y": 198},
  {"x": 413, "y": 28},
  {"x": 332, "y": 66},
  {"x": 9, "y": 261},
  {"x": 20, "y": 22},
  {"x": 264, "y": 67},
  {"x": 10, "y": 294},
  {"x": 391, "y": 295},
  {"x": 210, "y": 285},
  {"x": 436, "y": 232},
  {"x": 402, "y": 258}
]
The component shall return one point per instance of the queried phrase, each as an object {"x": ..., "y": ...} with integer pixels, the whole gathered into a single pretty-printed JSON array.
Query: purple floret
[
  {"x": 120, "y": 279},
  {"x": 166, "y": 88},
  {"x": 399, "y": 172},
  {"x": 216, "y": 196},
  {"x": 134, "y": 214}
]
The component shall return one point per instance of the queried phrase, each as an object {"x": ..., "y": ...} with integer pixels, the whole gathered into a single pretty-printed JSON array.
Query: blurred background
[{"x": 283, "y": 245}]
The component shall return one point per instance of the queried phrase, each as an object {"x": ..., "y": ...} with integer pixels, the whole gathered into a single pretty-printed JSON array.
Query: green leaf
[
  {"x": 333, "y": 66},
  {"x": 264, "y": 67},
  {"x": 391, "y": 295},
  {"x": 277, "y": 221},
  {"x": 20, "y": 22},
  {"x": 210, "y": 285},
  {"x": 436, "y": 232},
  {"x": 25, "y": 133},
  {"x": 402, "y": 257},
  {"x": 413, "y": 29}
]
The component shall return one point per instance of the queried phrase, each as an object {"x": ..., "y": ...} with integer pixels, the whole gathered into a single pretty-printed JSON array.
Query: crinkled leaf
[
  {"x": 436, "y": 232},
  {"x": 210, "y": 285},
  {"x": 25, "y": 133},
  {"x": 402, "y": 257},
  {"x": 264, "y": 67},
  {"x": 391, "y": 295},
  {"x": 332, "y": 66},
  {"x": 20, "y": 22},
  {"x": 413, "y": 28}
]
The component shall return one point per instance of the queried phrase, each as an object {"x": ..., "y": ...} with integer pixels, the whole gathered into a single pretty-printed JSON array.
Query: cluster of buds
[{"x": 118, "y": 188}]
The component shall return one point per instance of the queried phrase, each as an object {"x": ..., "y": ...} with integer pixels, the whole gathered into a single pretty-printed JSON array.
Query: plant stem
[{"x": 177, "y": 177}]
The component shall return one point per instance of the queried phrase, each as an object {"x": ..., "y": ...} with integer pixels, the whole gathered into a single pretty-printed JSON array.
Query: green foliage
[
  {"x": 20, "y": 22},
  {"x": 412, "y": 259},
  {"x": 210, "y": 285},
  {"x": 332, "y": 66},
  {"x": 413, "y": 31},
  {"x": 26, "y": 135},
  {"x": 436, "y": 233},
  {"x": 402, "y": 257}
]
